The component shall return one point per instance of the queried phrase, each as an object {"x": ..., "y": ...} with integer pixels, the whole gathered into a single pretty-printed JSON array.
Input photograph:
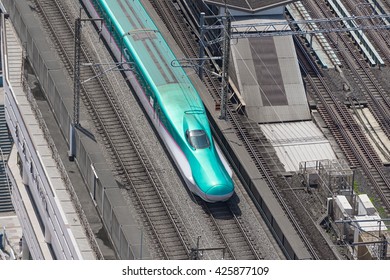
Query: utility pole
[
  {"x": 225, "y": 38},
  {"x": 201, "y": 45},
  {"x": 225, "y": 63},
  {"x": 76, "y": 72},
  {"x": 76, "y": 84}
]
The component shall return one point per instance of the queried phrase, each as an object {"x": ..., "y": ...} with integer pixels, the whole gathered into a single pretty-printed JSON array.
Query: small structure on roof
[
  {"x": 360, "y": 227},
  {"x": 353, "y": 218}
]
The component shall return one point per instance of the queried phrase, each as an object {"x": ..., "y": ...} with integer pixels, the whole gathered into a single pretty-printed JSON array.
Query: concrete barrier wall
[
  {"x": 264, "y": 199},
  {"x": 92, "y": 164}
]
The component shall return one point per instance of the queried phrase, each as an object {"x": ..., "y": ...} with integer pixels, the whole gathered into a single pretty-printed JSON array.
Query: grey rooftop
[{"x": 249, "y": 5}]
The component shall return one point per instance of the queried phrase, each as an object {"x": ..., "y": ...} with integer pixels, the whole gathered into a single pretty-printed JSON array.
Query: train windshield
[{"x": 198, "y": 139}]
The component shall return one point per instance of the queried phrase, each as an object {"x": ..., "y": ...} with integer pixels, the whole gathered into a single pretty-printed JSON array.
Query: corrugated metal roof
[
  {"x": 269, "y": 79},
  {"x": 249, "y": 5},
  {"x": 297, "y": 142}
]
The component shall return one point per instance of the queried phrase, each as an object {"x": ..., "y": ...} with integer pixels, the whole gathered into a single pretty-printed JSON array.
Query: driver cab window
[{"x": 198, "y": 139}]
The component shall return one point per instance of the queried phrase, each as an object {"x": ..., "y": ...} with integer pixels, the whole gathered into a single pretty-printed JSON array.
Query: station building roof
[
  {"x": 296, "y": 142},
  {"x": 267, "y": 75},
  {"x": 249, "y": 5}
]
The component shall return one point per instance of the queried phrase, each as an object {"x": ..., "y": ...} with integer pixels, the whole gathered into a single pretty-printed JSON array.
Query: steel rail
[
  {"x": 369, "y": 155},
  {"x": 191, "y": 49},
  {"x": 142, "y": 157},
  {"x": 346, "y": 119}
]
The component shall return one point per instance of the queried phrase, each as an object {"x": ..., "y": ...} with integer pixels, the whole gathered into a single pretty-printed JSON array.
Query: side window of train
[{"x": 197, "y": 139}]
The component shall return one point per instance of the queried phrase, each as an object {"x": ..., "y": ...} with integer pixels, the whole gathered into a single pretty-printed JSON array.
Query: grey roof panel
[
  {"x": 249, "y": 5},
  {"x": 273, "y": 92},
  {"x": 268, "y": 78},
  {"x": 296, "y": 142}
]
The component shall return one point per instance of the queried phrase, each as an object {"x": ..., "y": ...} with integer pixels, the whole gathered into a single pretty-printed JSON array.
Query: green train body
[{"x": 167, "y": 94}]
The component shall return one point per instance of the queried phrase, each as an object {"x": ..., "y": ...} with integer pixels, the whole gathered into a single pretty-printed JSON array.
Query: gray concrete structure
[{"x": 264, "y": 71}]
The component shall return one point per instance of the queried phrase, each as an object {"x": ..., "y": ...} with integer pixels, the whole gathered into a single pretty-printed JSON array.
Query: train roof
[
  {"x": 249, "y": 5},
  {"x": 153, "y": 57}
]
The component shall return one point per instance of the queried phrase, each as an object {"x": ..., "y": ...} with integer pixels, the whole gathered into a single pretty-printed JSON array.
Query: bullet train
[{"x": 167, "y": 94}]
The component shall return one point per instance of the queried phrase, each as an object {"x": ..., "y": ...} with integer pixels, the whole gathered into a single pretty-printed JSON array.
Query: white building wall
[{"x": 40, "y": 174}]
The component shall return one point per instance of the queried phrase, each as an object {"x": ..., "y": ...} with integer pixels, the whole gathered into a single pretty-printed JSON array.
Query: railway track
[
  {"x": 382, "y": 42},
  {"x": 380, "y": 38},
  {"x": 386, "y": 4},
  {"x": 171, "y": 17},
  {"x": 363, "y": 151},
  {"x": 376, "y": 96},
  {"x": 233, "y": 235},
  {"x": 131, "y": 161},
  {"x": 235, "y": 238}
]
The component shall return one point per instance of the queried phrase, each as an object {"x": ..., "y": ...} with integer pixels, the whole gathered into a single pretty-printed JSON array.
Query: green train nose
[
  {"x": 219, "y": 193},
  {"x": 217, "y": 190}
]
